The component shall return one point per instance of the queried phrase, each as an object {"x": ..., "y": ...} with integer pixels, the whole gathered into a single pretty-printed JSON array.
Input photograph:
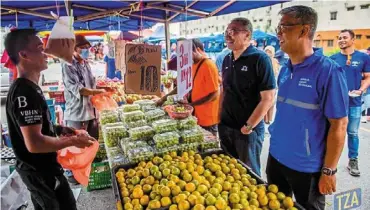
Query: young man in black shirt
[
  {"x": 248, "y": 84},
  {"x": 31, "y": 131}
]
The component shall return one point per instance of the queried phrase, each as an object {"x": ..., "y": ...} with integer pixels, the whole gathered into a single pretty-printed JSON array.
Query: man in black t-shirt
[
  {"x": 248, "y": 84},
  {"x": 32, "y": 134}
]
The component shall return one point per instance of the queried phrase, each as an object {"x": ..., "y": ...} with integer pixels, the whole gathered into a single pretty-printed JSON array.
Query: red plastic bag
[
  {"x": 104, "y": 101},
  {"x": 78, "y": 161}
]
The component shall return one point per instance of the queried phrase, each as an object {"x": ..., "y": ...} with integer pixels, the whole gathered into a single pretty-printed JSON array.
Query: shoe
[
  {"x": 353, "y": 167},
  {"x": 363, "y": 119}
]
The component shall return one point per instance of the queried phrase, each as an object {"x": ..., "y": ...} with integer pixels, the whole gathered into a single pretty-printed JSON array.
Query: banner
[
  {"x": 184, "y": 53},
  {"x": 143, "y": 64}
]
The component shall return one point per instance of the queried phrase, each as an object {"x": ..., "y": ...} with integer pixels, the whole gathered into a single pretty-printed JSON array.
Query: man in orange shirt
[{"x": 204, "y": 96}]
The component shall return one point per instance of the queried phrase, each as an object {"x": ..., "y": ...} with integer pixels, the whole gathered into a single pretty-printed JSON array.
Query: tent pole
[
  {"x": 167, "y": 36},
  {"x": 68, "y": 5}
]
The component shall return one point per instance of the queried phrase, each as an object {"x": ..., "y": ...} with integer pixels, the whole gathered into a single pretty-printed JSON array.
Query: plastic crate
[
  {"x": 58, "y": 96},
  {"x": 100, "y": 176}
]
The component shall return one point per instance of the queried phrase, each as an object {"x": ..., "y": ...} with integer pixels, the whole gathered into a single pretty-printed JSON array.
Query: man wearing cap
[{"x": 79, "y": 86}]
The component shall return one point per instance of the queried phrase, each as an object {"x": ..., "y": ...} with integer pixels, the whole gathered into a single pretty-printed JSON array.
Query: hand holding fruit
[{"x": 82, "y": 141}]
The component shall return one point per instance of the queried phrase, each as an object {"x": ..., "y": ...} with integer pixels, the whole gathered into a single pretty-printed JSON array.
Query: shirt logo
[
  {"x": 244, "y": 68},
  {"x": 22, "y": 101},
  {"x": 305, "y": 82},
  {"x": 355, "y": 63}
]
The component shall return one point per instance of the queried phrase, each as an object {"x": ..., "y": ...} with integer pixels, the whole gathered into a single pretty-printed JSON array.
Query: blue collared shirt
[{"x": 309, "y": 94}]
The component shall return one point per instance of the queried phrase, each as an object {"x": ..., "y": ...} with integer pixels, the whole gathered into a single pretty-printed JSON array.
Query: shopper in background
[
  {"x": 220, "y": 59},
  {"x": 31, "y": 131},
  {"x": 308, "y": 133},
  {"x": 356, "y": 65},
  {"x": 248, "y": 84},
  {"x": 270, "y": 51},
  {"x": 110, "y": 63},
  {"x": 79, "y": 86}
]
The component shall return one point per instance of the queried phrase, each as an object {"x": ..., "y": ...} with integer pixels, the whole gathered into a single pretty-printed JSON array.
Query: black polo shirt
[
  {"x": 243, "y": 80},
  {"x": 26, "y": 106}
]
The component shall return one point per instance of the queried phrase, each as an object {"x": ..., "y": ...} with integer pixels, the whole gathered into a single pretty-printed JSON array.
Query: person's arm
[
  {"x": 334, "y": 103},
  {"x": 36, "y": 142},
  {"x": 365, "y": 83},
  {"x": 90, "y": 92},
  {"x": 208, "y": 98},
  {"x": 266, "y": 76},
  {"x": 164, "y": 98}
]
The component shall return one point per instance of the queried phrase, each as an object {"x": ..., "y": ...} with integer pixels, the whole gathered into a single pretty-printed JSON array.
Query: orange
[
  {"x": 137, "y": 193},
  {"x": 190, "y": 187},
  {"x": 184, "y": 205}
]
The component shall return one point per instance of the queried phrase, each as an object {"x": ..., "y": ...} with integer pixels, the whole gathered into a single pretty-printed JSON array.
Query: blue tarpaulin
[{"x": 117, "y": 15}]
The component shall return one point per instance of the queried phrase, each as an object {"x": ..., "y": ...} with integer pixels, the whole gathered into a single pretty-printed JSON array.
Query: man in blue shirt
[
  {"x": 357, "y": 68},
  {"x": 308, "y": 134},
  {"x": 220, "y": 58}
]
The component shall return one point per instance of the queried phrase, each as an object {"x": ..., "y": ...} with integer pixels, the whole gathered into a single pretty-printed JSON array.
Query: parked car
[{"x": 5, "y": 84}]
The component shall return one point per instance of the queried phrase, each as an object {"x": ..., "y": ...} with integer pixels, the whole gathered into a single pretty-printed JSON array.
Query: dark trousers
[
  {"x": 247, "y": 148},
  {"x": 304, "y": 186},
  {"x": 48, "y": 191}
]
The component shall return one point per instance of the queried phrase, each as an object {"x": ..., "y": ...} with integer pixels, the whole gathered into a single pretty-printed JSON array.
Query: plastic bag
[
  {"x": 79, "y": 161},
  {"x": 104, "y": 101},
  {"x": 61, "y": 41}
]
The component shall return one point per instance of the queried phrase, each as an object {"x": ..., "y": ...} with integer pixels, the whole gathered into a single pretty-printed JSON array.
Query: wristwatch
[
  {"x": 328, "y": 171},
  {"x": 248, "y": 127}
]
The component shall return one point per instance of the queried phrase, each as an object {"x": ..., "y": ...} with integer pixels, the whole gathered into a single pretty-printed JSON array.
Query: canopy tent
[
  {"x": 82, "y": 32},
  {"x": 158, "y": 34},
  {"x": 117, "y": 15}
]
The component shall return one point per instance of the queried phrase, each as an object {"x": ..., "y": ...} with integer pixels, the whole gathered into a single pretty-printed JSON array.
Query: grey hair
[
  {"x": 306, "y": 16},
  {"x": 247, "y": 24}
]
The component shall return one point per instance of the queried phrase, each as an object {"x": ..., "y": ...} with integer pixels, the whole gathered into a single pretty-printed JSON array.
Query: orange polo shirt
[{"x": 206, "y": 81}]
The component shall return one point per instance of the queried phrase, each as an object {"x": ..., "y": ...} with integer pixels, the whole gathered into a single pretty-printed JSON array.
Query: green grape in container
[
  {"x": 132, "y": 116},
  {"x": 144, "y": 103},
  {"x": 166, "y": 139},
  {"x": 112, "y": 135},
  {"x": 129, "y": 107},
  {"x": 108, "y": 116},
  {"x": 135, "y": 124},
  {"x": 192, "y": 136},
  {"x": 140, "y": 154},
  {"x": 164, "y": 125},
  {"x": 188, "y": 147},
  {"x": 127, "y": 144},
  {"x": 154, "y": 115},
  {"x": 187, "y": 123},
  {"x": 141, "y": 133}
]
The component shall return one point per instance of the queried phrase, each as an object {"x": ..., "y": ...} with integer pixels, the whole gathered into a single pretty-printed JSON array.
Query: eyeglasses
[
  {"x": 282, "y": 28},
  {"x": 232, "y": 32}
]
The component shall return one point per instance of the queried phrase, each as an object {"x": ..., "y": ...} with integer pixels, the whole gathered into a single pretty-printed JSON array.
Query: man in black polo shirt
[
  {"x": 248, "y": 93},
  {"x": 31, "y": 132}
]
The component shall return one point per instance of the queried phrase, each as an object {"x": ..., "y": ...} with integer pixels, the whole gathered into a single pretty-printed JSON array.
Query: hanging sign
[
  {"x": 184, "y": 53},
  {"x": 118, "y": 51},
  {"x": 143, "y": 69}
]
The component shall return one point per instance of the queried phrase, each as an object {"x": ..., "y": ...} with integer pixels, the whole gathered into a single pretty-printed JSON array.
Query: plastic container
[
  {"x": 164, "y": 125},
  {"x": 187, "y": 123},
  {"x": 113, "y": 134},
  {"x": 127, "y": 144},
  {"x": 132, "y": 116},
  {"x": 145, "y": 103},
  {"x": 109, "y": 125},
  {"x": 164, "y": 140},
  {"x": 129, "y": 107},
  {"x": 154, "y": 115},
  {"x": 135, "y": 124},
  {"x": 141, "y": 133},
  {"x": 210, "y": 142},
  {"x": 108, "y": 116},
  {"x": 116, "y": 157},
  {"x": 140, "y": 154},
  {"x": 188, "y": 147},
  {"x": 192, "y": 136}
]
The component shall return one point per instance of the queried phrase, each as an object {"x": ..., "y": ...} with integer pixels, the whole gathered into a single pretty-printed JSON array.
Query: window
[
  {"x": 281, "y": 5},
  {"x": 216, "y": 28},
  {"x": 365, "y": 6},
  {"x": 216, "y": 17},
  {"x": 255, "y": 20},
  {"x": 351, "y": 8},
  {"x": 314, "y": 0},
  {"x": 358, "y": 36},
  {"x": 333, "y": 15},
  {"x": 268, "y": 23},
  {"x": 317, "y": 43},
  {"x": 330, "y": 43},
  {"x": 223, "y": 28},
  {"x": 261, "y": 19},
  {"x": 367, "y": 37}
]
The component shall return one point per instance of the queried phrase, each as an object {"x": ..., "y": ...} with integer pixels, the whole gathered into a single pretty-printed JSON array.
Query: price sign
[
  {"x": 184, "y": 53},
  {"x": 143, "y": 69}
]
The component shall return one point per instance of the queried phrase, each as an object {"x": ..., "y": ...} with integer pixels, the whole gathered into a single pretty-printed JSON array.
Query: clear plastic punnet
[
  {"x": 132, "y": 116},
  {"x": 192, "y": 136},
  {"x": 129, "y": 107},
  {"x": 164, "y": 125},
  {"x": 108, "y": 116},
  {"x": 164, "y": 140},
  {"x": 135, "y": 124},
  {"x": 140, "y": 154},
  {"x": 141, "y": 133},
  {"x": 127, "y": 144},
  {"x": 112, "y": 135},
  {"x": 154, "y": 115},
  {"x": 187, "y": 123}
]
